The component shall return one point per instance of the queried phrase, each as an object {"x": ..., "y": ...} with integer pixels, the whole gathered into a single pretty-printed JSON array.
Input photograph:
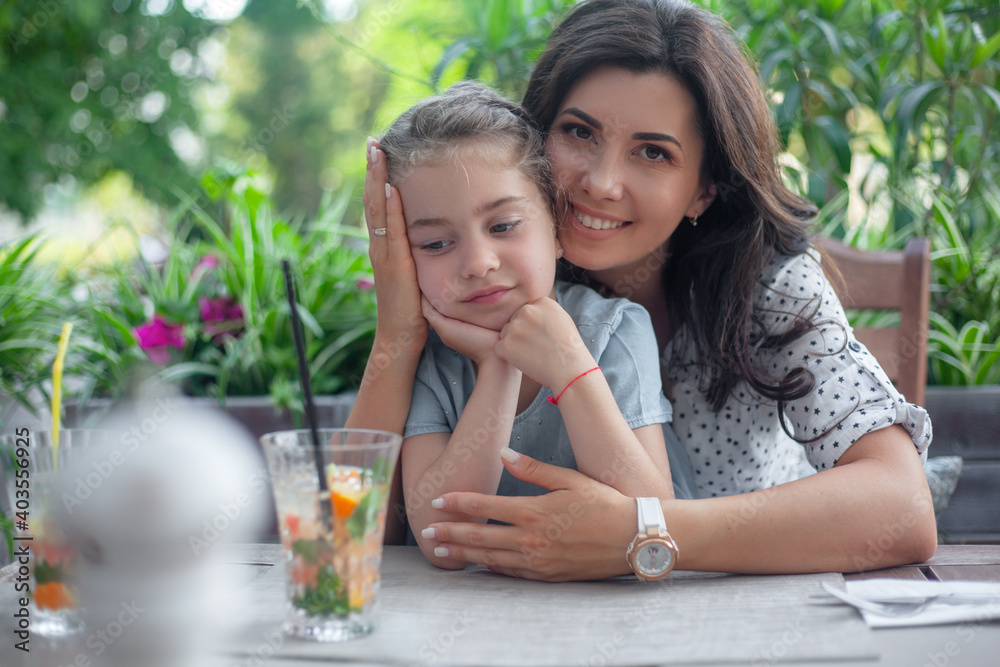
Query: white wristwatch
[{"x": 652, "y": 554}]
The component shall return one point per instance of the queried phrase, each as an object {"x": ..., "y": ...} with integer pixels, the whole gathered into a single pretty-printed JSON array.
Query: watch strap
[{"x": 650, "y": 513}]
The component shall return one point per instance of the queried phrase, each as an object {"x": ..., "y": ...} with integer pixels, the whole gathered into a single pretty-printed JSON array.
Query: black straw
[{"x": 300, "y": 348}]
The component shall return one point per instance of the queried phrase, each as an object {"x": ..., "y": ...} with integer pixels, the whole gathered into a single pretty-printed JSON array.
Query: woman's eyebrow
[
  {"x": 638, "y": 136},
  {"x": 585, "y": 117},
  {"x": 657, "y": 136}
]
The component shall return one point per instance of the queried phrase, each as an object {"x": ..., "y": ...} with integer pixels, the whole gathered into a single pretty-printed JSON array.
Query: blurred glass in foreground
[{"x": 332, "y": 569}]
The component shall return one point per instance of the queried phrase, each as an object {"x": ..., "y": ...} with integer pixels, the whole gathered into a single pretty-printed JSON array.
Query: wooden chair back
[{"x": 888, "y": 280}]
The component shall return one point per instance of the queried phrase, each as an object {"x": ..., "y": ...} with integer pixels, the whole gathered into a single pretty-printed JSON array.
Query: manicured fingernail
[
  {"x": 509, "y": 455},
  {"x": 438, "y": 503},
  {"x": 388, "y": 191},
  {"x": 429, "y": 533},
  {"x": 441, "y": 552},
  {"x": 374, "y": 152}
]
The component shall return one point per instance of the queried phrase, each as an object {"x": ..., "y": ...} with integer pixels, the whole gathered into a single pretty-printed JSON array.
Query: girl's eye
[
  {"x": 434, "y": 245},
  {"x": 504, "y": 227},
  {"x": 654, "y": 153}
]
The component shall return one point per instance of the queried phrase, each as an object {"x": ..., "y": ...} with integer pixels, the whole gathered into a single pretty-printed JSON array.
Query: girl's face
[
  {"x": 482, "y": 238},
  {"x": 626, "y": 150}
]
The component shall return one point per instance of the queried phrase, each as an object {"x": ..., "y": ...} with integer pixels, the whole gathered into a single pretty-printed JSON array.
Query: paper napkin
[{"x": 937, "y": 613}]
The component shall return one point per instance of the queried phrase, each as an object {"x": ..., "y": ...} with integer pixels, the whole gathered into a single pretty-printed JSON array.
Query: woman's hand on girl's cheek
[
  {"x": 476, "y": 343},
  {"x": 542, "y": 341},
  {"x": 399, "y": 313}
]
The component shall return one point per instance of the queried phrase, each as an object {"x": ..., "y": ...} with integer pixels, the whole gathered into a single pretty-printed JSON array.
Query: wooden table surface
[{"x": 475, "y": 617}]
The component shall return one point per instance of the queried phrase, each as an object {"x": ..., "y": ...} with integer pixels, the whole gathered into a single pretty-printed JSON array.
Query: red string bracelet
[{"x": 555, "y": 401}]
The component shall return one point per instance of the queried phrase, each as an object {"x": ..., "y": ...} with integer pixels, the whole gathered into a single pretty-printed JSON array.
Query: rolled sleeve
[{"x": 852, "y": 395}]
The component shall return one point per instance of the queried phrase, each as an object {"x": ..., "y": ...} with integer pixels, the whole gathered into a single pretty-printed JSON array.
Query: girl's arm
[
  {"x": 870, "y": 511},
  {"x": 544, "y": 343},
  {"x": 465, "y": 460},
  {"x": 383, "y": 399}
]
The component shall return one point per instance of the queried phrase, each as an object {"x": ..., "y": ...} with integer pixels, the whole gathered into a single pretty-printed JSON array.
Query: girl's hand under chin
[
  {"x": 542, "y": 341},
  {"x": 474, "y": 342}
]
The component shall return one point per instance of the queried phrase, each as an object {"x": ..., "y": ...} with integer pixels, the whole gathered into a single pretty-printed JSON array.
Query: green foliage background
[{"x": 889, "y": 110}]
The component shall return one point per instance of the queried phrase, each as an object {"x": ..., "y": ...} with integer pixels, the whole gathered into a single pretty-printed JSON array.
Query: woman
[{"x": 662, "y": 141}]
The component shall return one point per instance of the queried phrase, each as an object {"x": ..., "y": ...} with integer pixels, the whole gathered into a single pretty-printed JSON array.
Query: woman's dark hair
[{"x": 715, "y": 267}]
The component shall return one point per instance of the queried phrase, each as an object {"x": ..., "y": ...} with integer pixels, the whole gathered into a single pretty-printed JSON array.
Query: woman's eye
[
  {"x": 654, "y": 153},
  {"x": 578, "y": 132}
]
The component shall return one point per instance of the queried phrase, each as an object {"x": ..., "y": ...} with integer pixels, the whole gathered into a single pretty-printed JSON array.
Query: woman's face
[{"x": 626, "y": 150}]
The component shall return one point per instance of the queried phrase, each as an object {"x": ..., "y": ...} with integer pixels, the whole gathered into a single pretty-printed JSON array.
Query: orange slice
[
  {"x": 52, "y": 596},
  {"x": 343, "y": 505}
]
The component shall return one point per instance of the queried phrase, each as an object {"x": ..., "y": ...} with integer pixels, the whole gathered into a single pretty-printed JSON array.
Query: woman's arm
[
  {"x": 872, "y": 510},
  {"x": 383, "y": 399},
  {"x": 464, "y": 460}
]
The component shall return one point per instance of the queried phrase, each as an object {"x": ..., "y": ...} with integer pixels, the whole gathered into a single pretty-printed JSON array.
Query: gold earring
[{"x": 694, "y": 221}]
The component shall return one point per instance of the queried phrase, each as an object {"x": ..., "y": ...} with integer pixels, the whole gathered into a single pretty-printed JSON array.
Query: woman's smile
[{"x": 592, "y": 223}]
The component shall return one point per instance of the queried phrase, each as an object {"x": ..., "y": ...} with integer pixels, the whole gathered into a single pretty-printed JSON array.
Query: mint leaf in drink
[
  {"x": 327, "y": 598},
  {"x": 307, "y": 549},
  {"x": 365, "y": 515},
  {"x": 46, "y": 573}
]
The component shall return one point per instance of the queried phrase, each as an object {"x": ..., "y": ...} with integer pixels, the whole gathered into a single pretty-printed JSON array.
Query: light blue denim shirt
[{"x": 618, "y": 334}]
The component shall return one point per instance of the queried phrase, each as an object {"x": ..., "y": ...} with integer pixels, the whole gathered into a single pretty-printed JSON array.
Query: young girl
[{"x": 549, "y": 363}]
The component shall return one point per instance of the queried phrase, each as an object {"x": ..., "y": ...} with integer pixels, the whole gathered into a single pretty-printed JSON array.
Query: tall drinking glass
[
  {"x": 30, "y": 466},
  {"x": 332, "y": 569}
]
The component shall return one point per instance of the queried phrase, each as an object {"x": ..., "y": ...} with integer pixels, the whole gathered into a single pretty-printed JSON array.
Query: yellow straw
[{"x": 57, "y": 370}]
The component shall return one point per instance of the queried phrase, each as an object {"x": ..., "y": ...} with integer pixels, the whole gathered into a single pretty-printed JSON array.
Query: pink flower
[
  {"x": 364, "y": 284},
  {"x": 205, "y": 265},
  {"x": 156, "y": 336},
  {"x": 222, "y": 316}
]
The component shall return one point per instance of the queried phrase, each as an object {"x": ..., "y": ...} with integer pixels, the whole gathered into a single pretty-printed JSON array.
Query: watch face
[{"x": 653, "y": 559}]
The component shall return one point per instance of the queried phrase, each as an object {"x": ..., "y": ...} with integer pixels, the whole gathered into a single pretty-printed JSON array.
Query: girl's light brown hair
[{"x": 468, "y": 118}]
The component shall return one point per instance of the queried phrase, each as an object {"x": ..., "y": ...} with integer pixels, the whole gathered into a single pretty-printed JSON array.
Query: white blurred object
[
  {"x": 153, "y": 250},
  {"x": 148, "y": 516}
]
